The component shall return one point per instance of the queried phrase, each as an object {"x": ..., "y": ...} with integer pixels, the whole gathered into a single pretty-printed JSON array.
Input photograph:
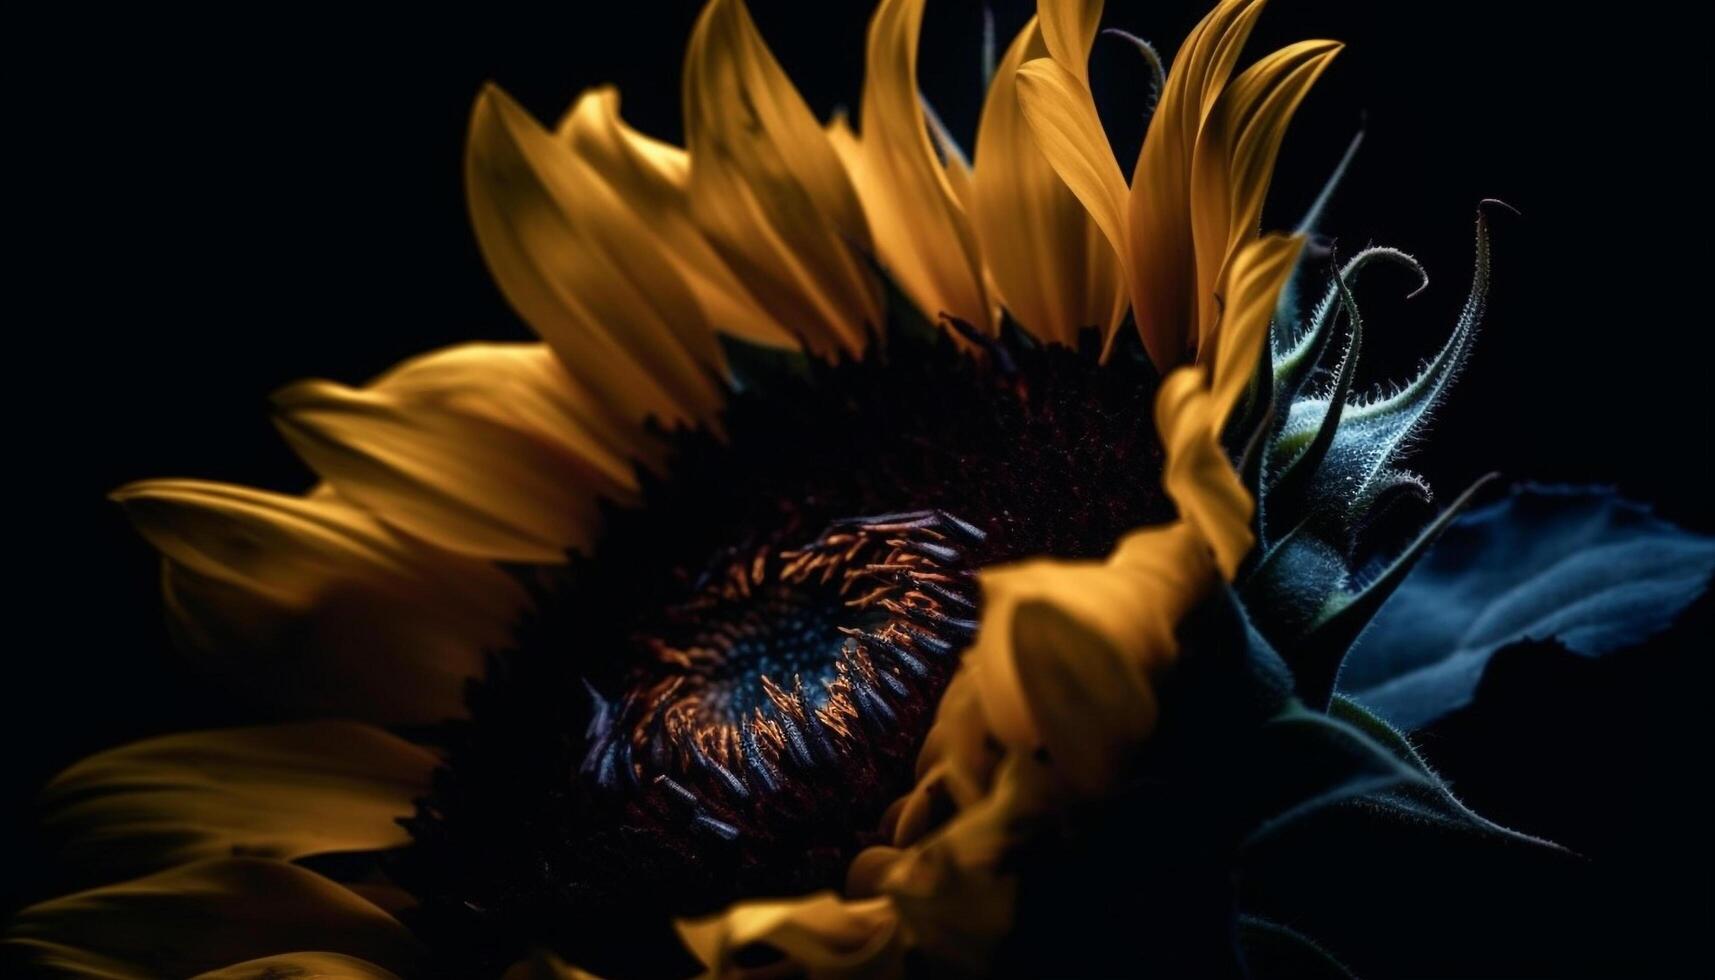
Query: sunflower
[{"x": 828, "y": 552}]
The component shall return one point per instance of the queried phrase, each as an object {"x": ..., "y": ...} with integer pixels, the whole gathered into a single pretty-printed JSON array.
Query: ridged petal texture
[
  {"x": 275, "y": 791},
  {"x": 769, "y": 190},
  {"x": 652, "y": 179},
  {"x": 1061, "y": 275},
  {"x": 922, "y": 233},
  {"x": 314, "y": 604},
  {"x": 481, "y": 450},
  {"x": 207, "y": 916},
  {"x": 1196, "y": 193},
  {"x": 563, "y": 247}
]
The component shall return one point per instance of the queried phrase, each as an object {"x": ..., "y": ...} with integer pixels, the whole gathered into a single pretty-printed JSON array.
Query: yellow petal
[
  {"x": 593, "y": 128},
  {"x": 1192, "y": 410},
  {"x": 206, "y": 916},
  {"x": 922, "y": 233},
  {"x": 1055, "y": 270},
  {"x": 954, "y": 766},
  {"x": 524, "y": 387},
  {"x": 769, "y": 191},
  {"x": 1062, "y": 117},
  {"x": 954, "y": 894},
  {"x": 1068, "y": 29},
  {"x": 1198, "y": 476},
  {"x": 1235, "y": 158},
  {"x": 543, "y": 965},
  {"x": 1092, "y": 703},
  {"x": 1163, "y": 267},
  {"x": 277, "y": 791},
  {"x": 302, "y": 966},
  {"x": 822, "y": 934},
  {"x": 571, "y": 257},
  {"x": 1133, "y": 601},
  {"x": 1249, "y": 293},
  {"x": 313, "y": 604},
  {"x": 487, "y": 466},
  {"x": 651, "y": 177}
]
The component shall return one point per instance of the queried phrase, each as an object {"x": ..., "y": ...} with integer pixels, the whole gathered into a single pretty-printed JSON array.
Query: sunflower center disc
[{"x": 786, "y": 666}]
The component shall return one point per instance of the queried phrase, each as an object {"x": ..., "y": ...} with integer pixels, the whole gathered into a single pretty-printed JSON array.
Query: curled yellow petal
[
  {"x": 1092, "y": 703},
  {"x": 572, "y": 259},
  {"x": 1249, "y": 293},
  {"x": 1062, "y": 116},
  {"x": 302, "y": 966},
  {"x": 280, "y": 791},
  {"x": 1199, "y": 477},
  {"x": 1132, "y": 602},
  {"x": 203, "y": 917},
  {"x": 769, "y": 191},
  {"x": 922, "y": 233},
  {"x": 1068, "y": 30},
  {"x": 313, "y": 604},
  {"x": 822, "y": 935},
  {"x": 543, "y": 965},
  {"x": 954, "y": 893},
  {"x": 1054, "y": 269},
  {"x": 1192, "y": 408},
  {"x": 954, "y": 766},
  {"x": 652, "y": 178}
]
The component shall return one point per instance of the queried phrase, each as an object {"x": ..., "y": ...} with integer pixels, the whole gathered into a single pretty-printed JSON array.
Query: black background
[{"x": 213, "y": 206}]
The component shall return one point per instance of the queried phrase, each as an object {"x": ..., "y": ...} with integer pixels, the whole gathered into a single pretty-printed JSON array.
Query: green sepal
[
  {"x": 1152, "y": 63},
  {"x": 1286, "y": 308},
  {"x": 1317, "y": 657},
  {"x": 1374, "y": 432},
  {"x": 1289, "y": 490},
  {"x": 1433, "y": 802},
  {"x": 1295, "y": 361},
  {"x": 1293, "y": 581}
]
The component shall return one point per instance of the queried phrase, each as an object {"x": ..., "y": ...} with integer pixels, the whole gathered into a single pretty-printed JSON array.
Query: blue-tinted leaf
[{"x": 1580, "y": 566}]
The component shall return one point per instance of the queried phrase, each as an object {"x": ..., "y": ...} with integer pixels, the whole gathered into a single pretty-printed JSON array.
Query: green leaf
[
  {"x": 1303, "y": 762},
  {"x": 1288, "y": 489},
  {"x": 1432, "y": 801}
]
